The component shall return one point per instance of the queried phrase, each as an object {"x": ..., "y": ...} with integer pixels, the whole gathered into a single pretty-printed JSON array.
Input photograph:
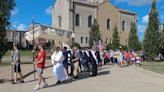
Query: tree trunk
[{"x": 0, "y": 61}]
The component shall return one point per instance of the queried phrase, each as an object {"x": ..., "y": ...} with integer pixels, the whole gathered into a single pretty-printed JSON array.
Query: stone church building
[{"x": 78, "y": 16}]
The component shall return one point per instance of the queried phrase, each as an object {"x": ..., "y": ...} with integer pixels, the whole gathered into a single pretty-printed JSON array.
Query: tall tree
[
  {"x": 133, "y": 42},
  {"x": 5, "y": 12},
  {"x": 116, "y": 39},
  {"x": 151, "y": 39},
  {"x": 94, "y": 35},
  {"x": 162, "y": 41}
]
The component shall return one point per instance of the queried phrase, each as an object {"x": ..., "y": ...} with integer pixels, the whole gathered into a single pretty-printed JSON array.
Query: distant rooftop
[
  {"x": 98, "y": 2},
  {"x": 125, "y": 11},
  {"x": 89, "y": 2}
]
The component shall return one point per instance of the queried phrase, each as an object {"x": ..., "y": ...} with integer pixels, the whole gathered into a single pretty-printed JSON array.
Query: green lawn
[
  {"x": 157, "y": 67},
  {"x": 22, "y": 53}
]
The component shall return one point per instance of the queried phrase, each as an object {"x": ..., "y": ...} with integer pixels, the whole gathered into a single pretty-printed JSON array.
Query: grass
[
  {"x": 157, "y": 67},
  {"x": 22, "y": 53}
]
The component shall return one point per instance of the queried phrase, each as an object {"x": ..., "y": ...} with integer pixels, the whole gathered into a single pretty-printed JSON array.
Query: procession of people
[{"x": 67, "y": 64}]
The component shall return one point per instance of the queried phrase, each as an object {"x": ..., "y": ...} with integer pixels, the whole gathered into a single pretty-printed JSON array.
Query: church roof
[
  {"x": 125, "y": 11},
  {"x": 85, "y": 2}
]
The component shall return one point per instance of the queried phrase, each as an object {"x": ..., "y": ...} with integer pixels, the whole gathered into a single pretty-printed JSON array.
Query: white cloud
[
  {"x": 21, "y": 27},
  {"x": 14, "y": 24},
  {"x": 48, "y": 10},
  {"x": 136, "y": 2},
  {"x": 15, "y": 11},
  {"x": 145, "y": 19},
  {"x": 141, "y": 28}
]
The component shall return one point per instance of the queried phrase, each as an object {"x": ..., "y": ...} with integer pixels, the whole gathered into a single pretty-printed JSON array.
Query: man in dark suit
[
  {"x": 86, "y": 58},
  {"x": 65, "y": 62},
  {"x": 93, "y": 62},
  {"x": 98, "y": 57}
]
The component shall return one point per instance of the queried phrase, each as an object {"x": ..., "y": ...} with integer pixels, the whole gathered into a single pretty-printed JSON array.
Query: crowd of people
[
  {"x": 123, "y": 58},
  {"x": 68, "y": 63}
]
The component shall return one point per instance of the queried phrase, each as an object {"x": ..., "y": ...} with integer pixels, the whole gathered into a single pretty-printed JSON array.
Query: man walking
[
  {"x": 65, "y": 62},
  {"x": 40, "y": 66},
  {"x": 93, "y": 62},
  {"x": 87, "y": 59},
  {"x": 16, "y": 63},
  {"x": 75, "y": 60}
]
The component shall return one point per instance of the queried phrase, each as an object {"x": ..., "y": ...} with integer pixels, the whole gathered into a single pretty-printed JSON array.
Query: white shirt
[
  {"x": 93, "y": 54},
  {"x": 57, "y": 57},
  {"x": 87, "y": 53}
]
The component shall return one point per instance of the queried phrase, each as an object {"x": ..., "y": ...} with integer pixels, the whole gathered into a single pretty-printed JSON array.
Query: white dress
[
  {"x": 58, "y": 68},
  {"x": 120, "y": 57}
]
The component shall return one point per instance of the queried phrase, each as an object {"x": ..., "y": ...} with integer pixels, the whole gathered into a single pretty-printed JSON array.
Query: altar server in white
[{"x": 58, "y": 68}]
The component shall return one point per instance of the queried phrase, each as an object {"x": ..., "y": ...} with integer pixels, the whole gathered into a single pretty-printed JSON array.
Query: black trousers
[
  {"x": 93, "y": 69},
  {"x": 112, "y": 60}
]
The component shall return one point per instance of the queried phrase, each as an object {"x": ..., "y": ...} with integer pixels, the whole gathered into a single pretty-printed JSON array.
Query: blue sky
[{"x": 41, "y": 10}]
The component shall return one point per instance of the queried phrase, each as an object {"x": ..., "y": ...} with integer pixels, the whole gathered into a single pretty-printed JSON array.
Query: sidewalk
[
  {"x": 109, "y": 79},
  {"x": 27, "y": 69}
]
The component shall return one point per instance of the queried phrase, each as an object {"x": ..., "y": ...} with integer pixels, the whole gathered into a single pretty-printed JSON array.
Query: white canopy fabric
[{"x": 46, "y": 33}]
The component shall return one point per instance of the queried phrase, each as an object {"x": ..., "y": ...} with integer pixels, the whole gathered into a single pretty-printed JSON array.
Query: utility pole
[
  {"x": 33, "y": 25},
  {"x": 72, "y": 9}
]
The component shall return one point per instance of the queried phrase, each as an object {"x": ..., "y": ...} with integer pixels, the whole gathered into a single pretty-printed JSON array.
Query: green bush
[{"x": 75, "y": 44}]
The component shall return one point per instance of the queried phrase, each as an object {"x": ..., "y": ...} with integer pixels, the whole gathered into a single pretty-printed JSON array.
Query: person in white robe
[
  {"x": 58, "y": 68},
  {"x": 120, "y": 58}
]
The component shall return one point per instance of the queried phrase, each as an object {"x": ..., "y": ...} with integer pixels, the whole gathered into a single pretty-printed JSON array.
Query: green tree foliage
[
  {"x": 124, "y": 47},
  {"x": 162, "y": 41},
  {"x": 75, "y": 44},
  {"x": 151, "y": 39},
  {"x": 133, "y": 42},
  {"x": 94, "y": 35},
  {"x": 110, "y": 46},
  {"x": 116, "y": 39},
  {"x": 5, "y": 12}
]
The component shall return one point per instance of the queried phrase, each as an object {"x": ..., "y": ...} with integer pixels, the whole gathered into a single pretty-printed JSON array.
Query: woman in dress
[
  {"x": 58, "y": 68},
  {"x": 120, "y": 58}
]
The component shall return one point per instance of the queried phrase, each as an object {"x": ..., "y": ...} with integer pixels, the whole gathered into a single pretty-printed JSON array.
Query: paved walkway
[
  {"x": 27, "y": 69},
  {"x": 110, "y": 79}
]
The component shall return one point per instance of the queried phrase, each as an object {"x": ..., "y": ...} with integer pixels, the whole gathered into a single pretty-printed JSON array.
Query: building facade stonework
[
  {"x": 78, "y": 16},
  {"x": 16, "y": 37}
]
